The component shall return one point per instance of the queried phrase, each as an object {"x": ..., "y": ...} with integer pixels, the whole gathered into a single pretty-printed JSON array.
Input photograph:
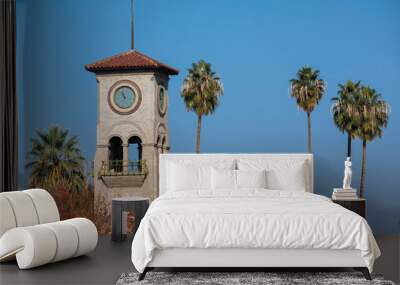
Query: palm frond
[
  {"x": 344, "y": 110},
  {"x": 373, "y": 112},
  {"x": 201, "y": 89},
  {"x": 55, "y": 154},
  {"x": 307, "y": 88}
]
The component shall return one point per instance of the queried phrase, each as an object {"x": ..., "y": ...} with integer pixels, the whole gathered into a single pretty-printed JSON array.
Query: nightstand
[
  {"x": 120, "y": 208},
  {"x": 358, "y": 206}
]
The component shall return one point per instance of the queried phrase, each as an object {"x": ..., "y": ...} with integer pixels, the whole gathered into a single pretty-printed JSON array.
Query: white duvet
[{"x": 250, "y": 219}]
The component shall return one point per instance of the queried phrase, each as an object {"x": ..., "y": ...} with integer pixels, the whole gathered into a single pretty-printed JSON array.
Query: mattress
[{"x": 250, "y": 219}]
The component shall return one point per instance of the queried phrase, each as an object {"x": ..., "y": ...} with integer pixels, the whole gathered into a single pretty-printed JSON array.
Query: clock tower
[{"x": 132, "y": 124}]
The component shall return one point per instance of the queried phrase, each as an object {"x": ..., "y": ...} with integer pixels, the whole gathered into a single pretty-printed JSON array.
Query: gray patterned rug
[{"x": 236, "y": 278}]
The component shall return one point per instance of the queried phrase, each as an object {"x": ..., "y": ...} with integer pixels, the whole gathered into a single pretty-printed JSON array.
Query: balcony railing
[{"x": 123, "y": 168}]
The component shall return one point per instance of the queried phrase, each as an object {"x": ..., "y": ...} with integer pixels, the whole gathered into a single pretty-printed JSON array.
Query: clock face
[
  {"x": 124, "y": 97},
  {"x": 162, "y": 101}
]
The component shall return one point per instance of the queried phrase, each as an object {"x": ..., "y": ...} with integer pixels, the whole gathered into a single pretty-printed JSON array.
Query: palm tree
[
  {"x": 308, "y": 90},
  {"x": 344, "y": 110},
  {"x": 200, "y": 91},
  {"x": 374, "y": 115},
  {"x": 55, "y": 155}
]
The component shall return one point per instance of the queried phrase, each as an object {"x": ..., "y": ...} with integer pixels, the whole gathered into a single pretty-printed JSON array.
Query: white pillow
[
  {"x": 188, "y": 177},
  {"x": 251, "y": 178},
  {"x": 223, "y": 179},
  {"x": 292, "y": 179},
  {"x": 281, "y": 174}
]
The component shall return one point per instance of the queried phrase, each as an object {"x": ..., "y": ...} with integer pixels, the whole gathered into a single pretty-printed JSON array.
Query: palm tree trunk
[
  {"x": 364, "y": 162},
  {"x": 349, "y": 146},
  {"x": 198, "y": 134},
  {"x": 309, "y": 131}
]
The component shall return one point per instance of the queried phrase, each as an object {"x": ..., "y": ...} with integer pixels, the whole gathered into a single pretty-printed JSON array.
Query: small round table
[{"x": 120, "y": 208}]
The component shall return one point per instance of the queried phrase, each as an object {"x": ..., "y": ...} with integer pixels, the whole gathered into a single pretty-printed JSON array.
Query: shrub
[{"x": 73, "y": 204}]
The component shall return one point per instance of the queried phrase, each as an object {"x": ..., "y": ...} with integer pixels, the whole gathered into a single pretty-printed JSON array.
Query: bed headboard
[{"x": 212, "y": 158}]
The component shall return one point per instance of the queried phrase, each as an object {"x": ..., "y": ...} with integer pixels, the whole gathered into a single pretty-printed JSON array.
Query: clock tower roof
[{"x": 131, "y": 60}]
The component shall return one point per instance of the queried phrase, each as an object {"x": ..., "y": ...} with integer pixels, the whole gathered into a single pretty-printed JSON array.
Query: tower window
[
  {"x": 115, "y": 154},
  {"x": 134, "y": 153},
  {"x": 163, "y": 145},
  {"x": 158, "y": 143}
]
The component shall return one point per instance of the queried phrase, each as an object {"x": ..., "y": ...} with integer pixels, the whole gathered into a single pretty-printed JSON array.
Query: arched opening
[
  {"x": 162, "y": 138},
  {"x": 123, "y": 166},
  {"x": 134, "y": 154},
  {"x": 163, "y": 146},
  {"x": 158, "y": 144},
  {"x": 115, "y": 154}
]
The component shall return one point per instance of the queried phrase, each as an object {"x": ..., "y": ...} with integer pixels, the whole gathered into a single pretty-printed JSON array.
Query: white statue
[{"x": 347, "y": 174}]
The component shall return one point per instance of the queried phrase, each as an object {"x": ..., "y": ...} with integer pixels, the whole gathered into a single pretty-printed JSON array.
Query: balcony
[{"x": 123, "y": 173}]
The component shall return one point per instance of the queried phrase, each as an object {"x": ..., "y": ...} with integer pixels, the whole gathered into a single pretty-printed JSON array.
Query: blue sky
[{"x": 255, "y": 46}]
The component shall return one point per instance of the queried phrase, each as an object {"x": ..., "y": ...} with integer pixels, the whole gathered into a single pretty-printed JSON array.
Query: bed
[{"x": 245, "y": 211}]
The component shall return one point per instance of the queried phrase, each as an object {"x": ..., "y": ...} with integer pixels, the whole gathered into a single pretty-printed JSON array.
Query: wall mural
[{"x": 96, "y": 132}]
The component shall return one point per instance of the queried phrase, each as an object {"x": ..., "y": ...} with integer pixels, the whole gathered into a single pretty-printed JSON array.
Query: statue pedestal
[
  {"x": 344, "y": 194},
  {"x": 345, "y": 190}
]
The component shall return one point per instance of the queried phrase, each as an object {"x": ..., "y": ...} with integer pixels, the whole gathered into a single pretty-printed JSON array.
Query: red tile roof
[{"x": 130, "y": 61}]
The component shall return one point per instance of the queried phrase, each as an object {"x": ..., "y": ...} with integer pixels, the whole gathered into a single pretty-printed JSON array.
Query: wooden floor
[{"x": 110, "y": 260}]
